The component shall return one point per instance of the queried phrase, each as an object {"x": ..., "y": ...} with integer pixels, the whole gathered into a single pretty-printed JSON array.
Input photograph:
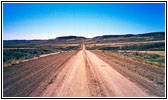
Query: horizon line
[{"x": 80, "y": 36}]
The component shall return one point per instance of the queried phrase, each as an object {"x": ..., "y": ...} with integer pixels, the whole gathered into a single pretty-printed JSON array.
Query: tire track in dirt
[
  {"x": 71, "y": 81},
  {"x": 114, "y": 83},
  {"x": 95, "y": 87}
]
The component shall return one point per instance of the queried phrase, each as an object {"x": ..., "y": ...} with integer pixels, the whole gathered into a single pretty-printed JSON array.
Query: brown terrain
[
  {"x": 82, "y": 73},
  {"x": 126, "y": 43}
]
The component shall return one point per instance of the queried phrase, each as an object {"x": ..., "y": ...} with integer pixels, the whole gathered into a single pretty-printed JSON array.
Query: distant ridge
[
  {"x": 151, "y": 34},
  {"x": 71, "y": 37},
  {"x": 113, "y": 36},
  {"x": 158, "y": 35}
]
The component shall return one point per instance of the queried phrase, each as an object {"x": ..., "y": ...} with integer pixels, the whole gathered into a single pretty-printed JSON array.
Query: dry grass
[
  {"x": 139, "y": 59},
  {"x": 124, "y": 43},
  {"x": 161, "y": 53}
]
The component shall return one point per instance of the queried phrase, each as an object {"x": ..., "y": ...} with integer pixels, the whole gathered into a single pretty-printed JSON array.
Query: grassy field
[
  {"x": 154, "y": 59},
  {"x": 156, "y": 46},
  {"x": 144, "y": 52},
  {"x": 12, "y": 55}
]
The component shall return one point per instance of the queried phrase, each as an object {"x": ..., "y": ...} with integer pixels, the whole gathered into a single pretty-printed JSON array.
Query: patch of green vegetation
[
  {"x": 160, "y": 61},
  {"x": 150, "y": 77},
  {"x": 152, "y": 59},
  {"x": 140, "y": 73},
  {"x": 160, "y": 83},
  {"x": 15, "y": 54},
  {"x": 160, "y": 46}
]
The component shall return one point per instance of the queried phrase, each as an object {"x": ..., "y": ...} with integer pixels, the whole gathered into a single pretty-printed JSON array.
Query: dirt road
[
  {"x": 87, "y": 75},
  {"x": 76, "y": 74}
]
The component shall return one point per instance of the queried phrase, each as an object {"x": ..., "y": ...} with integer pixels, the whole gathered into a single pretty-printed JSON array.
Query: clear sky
[{"x": 50, "y": 20}]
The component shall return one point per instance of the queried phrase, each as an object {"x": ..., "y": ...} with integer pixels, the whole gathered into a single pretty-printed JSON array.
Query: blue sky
[{"x": 50, "y": 20}]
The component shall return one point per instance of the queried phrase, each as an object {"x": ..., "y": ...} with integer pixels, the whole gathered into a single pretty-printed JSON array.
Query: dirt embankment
[
  {"x": 24, "y": 78},
  {"x": 113, "y": 83},
  {"x": 145, "y": 75}
]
